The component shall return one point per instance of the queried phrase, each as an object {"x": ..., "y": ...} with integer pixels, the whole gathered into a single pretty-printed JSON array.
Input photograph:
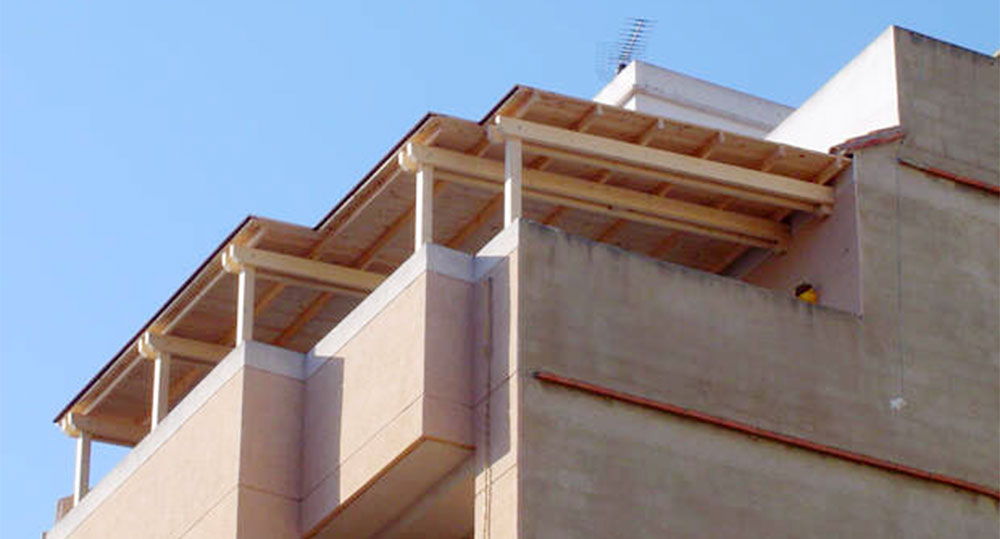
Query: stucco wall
[
  {"x": 400, "y": 382},
  {"x": 599, "y": 314},
  {"x": 949, "y": 104},
  {"x": 930, "y": 283},
  {"x": 193, "y": 472}
]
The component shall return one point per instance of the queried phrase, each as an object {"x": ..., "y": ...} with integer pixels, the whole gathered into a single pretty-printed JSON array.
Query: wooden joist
[
  {"x": 606, "y": 199},
  {"x": 152, "y": 345},
  {"x": 684, "y": 170},
  {"x": 104, "y": 429},
  {"x": 307, "y": 270}
]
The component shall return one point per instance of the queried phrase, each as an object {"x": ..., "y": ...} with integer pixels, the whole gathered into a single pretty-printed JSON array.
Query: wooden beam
[
  {"x": 81, "y": 476},
  {"x": 513, "y": 172},
  {"x": 630, "y": 204},
  {"x": 423, "y": 224},
  {"x": 836, "y": 165},
  {"x": 303, "y": 268},
  {"x": 700, "y": 173},
  {"x": 768, "y": 163},
  {"x": 670, "y": 179},
  {"x": 611, "y": 211},
  {"x": 151, "y": 345},
  {"x": 710, "y": 145},
  {"x": 107, "y": 430},
  {"x": 287, "y": 281},
  {"x": 161, "y": 389}
]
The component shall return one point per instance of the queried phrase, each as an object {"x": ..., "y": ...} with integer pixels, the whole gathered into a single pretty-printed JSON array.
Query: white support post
[
  {"x": 81, "y": 480},
  {"x": 161, "y": 389},
  {"x": 423, "y": 218},
  {"x": 512, "y": 181},
  {"x": 245, "y": 305}
]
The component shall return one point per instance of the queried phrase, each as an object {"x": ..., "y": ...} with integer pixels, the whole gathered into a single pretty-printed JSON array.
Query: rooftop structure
[{"x": 578, "y": 318}]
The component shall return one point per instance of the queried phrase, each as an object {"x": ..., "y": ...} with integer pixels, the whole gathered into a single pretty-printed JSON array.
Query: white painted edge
[
  {"x": 430, "y": 257},
  {"x": 253, "y": 354}
]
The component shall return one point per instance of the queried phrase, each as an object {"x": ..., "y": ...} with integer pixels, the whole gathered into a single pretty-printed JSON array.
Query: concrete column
[
  {"x": 81, "y": 480},
  {"x": 423, "y": 217},
  {"x": 512, "y": 181}
]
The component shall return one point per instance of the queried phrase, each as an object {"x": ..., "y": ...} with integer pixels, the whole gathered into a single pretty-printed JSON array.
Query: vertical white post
[
  {"x": 245, "y": 304},
  {"x": 161, "y": 389},
  {"x": 423, "y": 217},
  {"x": 81, "y": 481},
  {"x": 512, "y": 181}
]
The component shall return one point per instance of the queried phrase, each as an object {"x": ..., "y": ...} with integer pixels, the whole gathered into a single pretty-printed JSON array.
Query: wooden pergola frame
[{"x": 520, "y": 155}]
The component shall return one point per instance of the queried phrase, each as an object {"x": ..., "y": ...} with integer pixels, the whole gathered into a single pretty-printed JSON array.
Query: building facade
[{"x": 578, "y": 318}]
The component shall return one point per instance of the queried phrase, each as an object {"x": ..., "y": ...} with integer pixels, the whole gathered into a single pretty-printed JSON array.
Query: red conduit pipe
[
  {"x": 745, "y": 428},
  {"x": 964, "y": 180}
]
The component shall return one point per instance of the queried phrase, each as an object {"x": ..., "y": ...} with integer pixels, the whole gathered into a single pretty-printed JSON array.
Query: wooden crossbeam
[
  {"x": 617, "y": 201},
  {"x": 682, "y": 169},
  {"x": 106, "y": 430},
  {"x": 303, "y": 268},
  {"x": 152, "y": 344}
]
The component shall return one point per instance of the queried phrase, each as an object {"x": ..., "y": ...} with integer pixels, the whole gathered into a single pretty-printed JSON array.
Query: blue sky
[{"x": 134, "y": 136}]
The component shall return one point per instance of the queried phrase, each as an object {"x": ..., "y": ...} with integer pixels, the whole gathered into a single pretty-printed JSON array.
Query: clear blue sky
[{"x": 134, "y": 136}]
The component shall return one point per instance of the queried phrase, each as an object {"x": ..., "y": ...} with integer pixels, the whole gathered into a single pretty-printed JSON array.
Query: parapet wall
[{"x": 699, "y": 341}]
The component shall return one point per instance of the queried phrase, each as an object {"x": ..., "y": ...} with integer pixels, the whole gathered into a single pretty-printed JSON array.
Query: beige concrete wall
[
  {"x": 709, "y": 343},
  {"x": 930, "y": 283},
  {"x": 497, "y": 399},
  {"x": 188, "y": 487},
  {"x": 402, "y": 378},
  {"x": 270, "y": 452},
  {"x": 223, "y": 463},
  {"x": 597, "y": 468},
  {"x": 949, "y": 104}
]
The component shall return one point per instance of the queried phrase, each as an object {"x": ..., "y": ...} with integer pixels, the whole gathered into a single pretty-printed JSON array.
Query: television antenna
[{"x": 631, "y": 44}]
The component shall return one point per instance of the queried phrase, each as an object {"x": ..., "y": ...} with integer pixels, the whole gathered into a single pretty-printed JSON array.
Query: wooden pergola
[{"x": 677, "y": 192}]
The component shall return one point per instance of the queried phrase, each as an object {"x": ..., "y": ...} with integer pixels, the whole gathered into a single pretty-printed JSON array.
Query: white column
[
  {"x": 81, "y": 480},
  {"x": 423, "y": 217},
  {"x": 245, "y": 304},
  {"x": 512, "y": 181},
  {"x": 161, "y": 389}
]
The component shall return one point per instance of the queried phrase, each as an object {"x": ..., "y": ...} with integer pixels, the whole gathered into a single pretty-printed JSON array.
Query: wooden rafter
[{"x": 836, "y": 165}]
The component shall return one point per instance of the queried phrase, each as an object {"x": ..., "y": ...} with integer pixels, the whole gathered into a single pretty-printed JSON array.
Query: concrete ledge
[{"x": 258, "y": 355}]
